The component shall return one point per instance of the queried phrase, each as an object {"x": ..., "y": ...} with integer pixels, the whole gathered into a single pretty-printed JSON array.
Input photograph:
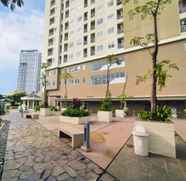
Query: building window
[
  {"x": 183, "y": 25},
  {"x": 119, "y": 2},
  {"x": 51, "y": 31},
  {"x": 52, "y": 20},
  {"x": 85, "y": 52},
  {"x": 92, "y": 25},
  {"x": 115, "y": 78},
  {"x": 85, "y": 3},
  {"x": 120, "y": 13},
  {"x": 52, "y": 3},
  {"x": 92, "y": 1},
  {"x": 92, "y": 51},
  {"x": 92, "y": 38},
  {"x": 85, "y": 28},
  {"x": 52, "y": 11},
  {"x": 50, "y": 42},
  {"x": 120, "y": 42},
  {"x": 67, "y": 14},
  {"x": 65, "y": 47},
  {"x": 92, "y": 13},
  {"x": 66, "y": 26},
  {"x": 66, "y": 36},
  {"x": 182, "y": 6},
  {"x": 49, "y": 61},
  {"x": 85, "y": 16},
  {"x": 50, "y": 51},
  {"x": 120, "y": 28},
  {"x": 67, "y": 4},
  {"x": 85, "y": 40},
  {"x": 65, "y": 58}
]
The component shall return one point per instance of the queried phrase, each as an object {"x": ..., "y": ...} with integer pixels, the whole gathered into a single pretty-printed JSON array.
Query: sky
[{"x": 21, "y": 29}]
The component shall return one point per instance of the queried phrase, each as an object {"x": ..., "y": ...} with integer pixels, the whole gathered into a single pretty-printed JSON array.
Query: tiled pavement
[
  {"x": 3, "y": 138},
  {"x": 34, "y": 153}
]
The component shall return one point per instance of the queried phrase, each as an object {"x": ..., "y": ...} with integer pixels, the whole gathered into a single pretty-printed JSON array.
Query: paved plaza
[{"x": 34, "y": 153}]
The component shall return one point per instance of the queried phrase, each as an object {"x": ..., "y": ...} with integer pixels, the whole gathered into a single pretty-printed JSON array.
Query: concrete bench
[
  {"x": 31, "y": 116},
  {"x": 75, "y": 134}
]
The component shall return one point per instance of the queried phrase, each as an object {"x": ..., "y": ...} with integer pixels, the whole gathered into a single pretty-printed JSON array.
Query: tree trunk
[
  {"x": 45, "y": 98},
  {"x": 66, "y": 91},
  {"x": 108, "y": 81},
  {"x": 154, "y": 63}
]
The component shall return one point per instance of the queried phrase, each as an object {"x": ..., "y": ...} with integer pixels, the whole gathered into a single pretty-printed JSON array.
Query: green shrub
[
  {"x": 144, "y": 115},
  {"x": 37, "y": 108},
  {"x": 75, "y": 112},
  {"x": 53, "y": 108},
  {"x": 184, "y": 112},
  {"x": 106, "y": 104},
  {"x": 162, "y": 113}
]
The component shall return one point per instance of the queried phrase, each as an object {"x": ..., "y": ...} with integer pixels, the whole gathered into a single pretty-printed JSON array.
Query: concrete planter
[
  {"x": 104, "y": 116},
  {"x": 45, "y": 112},
  {"x": 74, "y": 120},
  {"x": 120, "y": 113},
  {"x": 161, "y": 137},
  {"x": 63, "y": 109}
]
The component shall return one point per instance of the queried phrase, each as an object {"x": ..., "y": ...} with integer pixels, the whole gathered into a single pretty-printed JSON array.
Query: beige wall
[
  {"x": 168, "y": 23},
  {"x": 137, "y": 63}
]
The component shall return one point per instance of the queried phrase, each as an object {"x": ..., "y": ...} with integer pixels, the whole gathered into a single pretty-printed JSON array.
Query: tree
[
  {"x": 159, "y": 72},
  {"x": 66, "y": 76},
  {"x": 109, "y": 61},
  {"x": 44, "y": 84},
  {"x": 15, "y": 98},
  {"x": 12, "y": 3}
]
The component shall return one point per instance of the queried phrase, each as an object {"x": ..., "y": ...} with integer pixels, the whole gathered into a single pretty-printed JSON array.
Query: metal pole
[{"x": 86, "y": 138}]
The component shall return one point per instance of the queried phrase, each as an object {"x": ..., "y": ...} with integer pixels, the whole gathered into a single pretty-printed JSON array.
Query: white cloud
[{"x": 19, "y": 31}]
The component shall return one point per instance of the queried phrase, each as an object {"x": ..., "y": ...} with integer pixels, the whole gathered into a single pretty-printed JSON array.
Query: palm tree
[
  {"x": 66, "y": 76},
  {"x": 12, "y": 3}
]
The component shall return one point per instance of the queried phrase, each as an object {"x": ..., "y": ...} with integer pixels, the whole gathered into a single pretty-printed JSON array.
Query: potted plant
[
  {"x": 105, "y": 112},
  {"x": 123, "y": 111},
  {"x": 161, "y": 131},
  {"x": 75, "y": 114}
]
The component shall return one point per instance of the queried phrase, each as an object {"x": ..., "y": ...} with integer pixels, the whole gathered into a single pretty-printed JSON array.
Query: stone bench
[
  {"x": 31, "y": 116},
  {"x": 75, "y": 134}
]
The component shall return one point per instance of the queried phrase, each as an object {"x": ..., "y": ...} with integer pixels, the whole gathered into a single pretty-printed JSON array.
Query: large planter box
[
  {"x": 120, "y": 113},
  {"x": 45, "y": 112},
  {"x": 161, "y": 137},
  {"x": 104, "y": 116},
  {"x": 74, "y": 120}
]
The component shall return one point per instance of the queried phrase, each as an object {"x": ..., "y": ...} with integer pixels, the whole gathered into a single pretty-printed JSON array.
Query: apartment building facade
[
  {"x": 28, "y": 80},
  {"x": 85, "y": 32}
]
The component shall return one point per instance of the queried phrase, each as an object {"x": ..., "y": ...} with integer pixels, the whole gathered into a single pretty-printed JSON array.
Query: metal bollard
[{"x": 86, "y": 137}]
